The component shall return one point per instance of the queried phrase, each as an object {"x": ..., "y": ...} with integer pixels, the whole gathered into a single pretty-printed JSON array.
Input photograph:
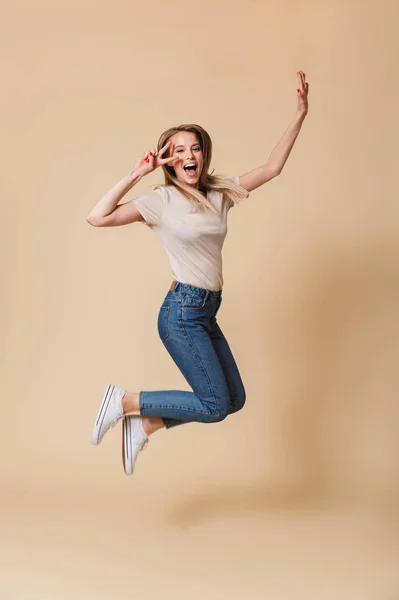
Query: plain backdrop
[{"x": 295, "y": 497}]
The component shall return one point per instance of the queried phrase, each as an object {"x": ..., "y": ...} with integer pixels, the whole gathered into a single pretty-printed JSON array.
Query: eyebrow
[{"x": 182, "y": 145}]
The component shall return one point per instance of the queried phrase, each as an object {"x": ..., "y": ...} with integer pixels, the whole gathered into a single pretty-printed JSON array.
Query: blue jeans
[{"x": 189, "y": 331}]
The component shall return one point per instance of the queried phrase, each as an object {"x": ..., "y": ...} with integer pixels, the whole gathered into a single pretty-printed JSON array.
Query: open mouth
[{"x": 191, "y": 169}]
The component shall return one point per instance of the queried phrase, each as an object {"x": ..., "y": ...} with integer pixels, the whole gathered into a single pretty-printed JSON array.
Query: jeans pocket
[
  {"x": 193, "y": 301},
  {"x": 163, "y": 318}
]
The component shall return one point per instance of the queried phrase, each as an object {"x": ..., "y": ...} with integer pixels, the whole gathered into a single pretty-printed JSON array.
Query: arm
[
  {"x": 107, "y": 212},
  {"x": 276, "y": 161}
]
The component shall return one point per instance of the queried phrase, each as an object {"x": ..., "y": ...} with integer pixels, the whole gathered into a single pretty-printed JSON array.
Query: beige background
[{"x": 296, "y": 497}]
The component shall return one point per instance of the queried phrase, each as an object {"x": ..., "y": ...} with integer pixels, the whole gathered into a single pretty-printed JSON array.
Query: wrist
[
  {"x": 134, "y": 176},
  {"x": 300, "y": 115}
]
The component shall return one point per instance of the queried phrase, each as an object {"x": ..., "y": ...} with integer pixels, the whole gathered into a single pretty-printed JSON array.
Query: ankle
[
  {"x": 152, "y": 424},
  {"x": 130, "y": 402}
]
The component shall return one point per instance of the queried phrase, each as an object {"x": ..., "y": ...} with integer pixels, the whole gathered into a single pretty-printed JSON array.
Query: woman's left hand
[{"x": 302, "y": 92}]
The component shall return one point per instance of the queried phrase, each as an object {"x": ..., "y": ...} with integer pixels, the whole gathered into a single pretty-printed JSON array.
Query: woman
[{"x": 189, "y": 214}]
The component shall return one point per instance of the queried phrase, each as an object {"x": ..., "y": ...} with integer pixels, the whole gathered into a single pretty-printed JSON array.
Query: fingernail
[
  {"x": 150, "y": 153},
  {"x": 299, "y": 91}
]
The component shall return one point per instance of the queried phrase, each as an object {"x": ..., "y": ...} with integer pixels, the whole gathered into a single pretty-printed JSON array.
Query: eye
[
  {"x": 179, "y": 151},
  {"x": 197, "y": 149}
]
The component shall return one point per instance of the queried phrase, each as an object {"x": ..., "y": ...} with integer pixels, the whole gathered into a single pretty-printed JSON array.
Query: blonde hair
[{"x": 206, "y": 181}]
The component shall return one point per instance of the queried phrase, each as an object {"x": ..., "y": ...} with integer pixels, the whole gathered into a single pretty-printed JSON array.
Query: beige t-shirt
[{"x": 193, "y": 240}]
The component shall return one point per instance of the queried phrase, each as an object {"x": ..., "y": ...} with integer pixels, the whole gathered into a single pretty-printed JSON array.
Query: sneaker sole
[
  {"x": 101, "y": 414},
  {"x": 127, "y": 447}
]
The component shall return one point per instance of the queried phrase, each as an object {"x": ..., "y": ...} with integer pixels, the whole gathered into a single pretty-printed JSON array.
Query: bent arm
[
  {"x": 106, "y": 213},
  {"x": 276, "y": 161}
]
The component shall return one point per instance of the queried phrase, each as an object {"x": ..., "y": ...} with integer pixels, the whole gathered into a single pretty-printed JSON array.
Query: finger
[
  {"x": 171, "y": 160},
  {"x": 171, "y": 148},
  {"x": 164, "y": 148},
  {"x": 300, "y": 90},
  {"x": 300, "y": 82},
  {"x": 170, "y": 157}
]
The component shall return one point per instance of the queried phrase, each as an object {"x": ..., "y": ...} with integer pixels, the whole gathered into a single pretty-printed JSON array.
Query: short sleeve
[
  {"x": 151, "y": 207},
  {"x": 235, "y": 180}
]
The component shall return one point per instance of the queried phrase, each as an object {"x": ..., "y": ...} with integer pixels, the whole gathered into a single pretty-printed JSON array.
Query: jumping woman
[{"x": 189, "y": 214}]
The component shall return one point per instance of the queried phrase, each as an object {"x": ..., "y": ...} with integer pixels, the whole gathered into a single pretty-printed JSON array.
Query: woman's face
[{"x": 185, "y": 144}]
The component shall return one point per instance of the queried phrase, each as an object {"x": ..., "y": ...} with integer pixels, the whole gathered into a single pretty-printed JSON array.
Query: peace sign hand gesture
[
  {"x": 151, "y": 160},
  {"x": 302, "y": 90}
]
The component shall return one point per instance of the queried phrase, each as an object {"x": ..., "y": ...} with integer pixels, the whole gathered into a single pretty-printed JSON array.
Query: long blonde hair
[{"x": 207, "y": 181}]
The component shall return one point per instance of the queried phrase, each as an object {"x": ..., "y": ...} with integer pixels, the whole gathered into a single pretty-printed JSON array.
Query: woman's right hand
[{"x": 151, "y": 160}]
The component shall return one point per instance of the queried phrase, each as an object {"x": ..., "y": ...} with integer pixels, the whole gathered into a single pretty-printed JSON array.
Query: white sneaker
[
  {"x": 134, "y": 439},
  {"x": 111, "y": 411}
]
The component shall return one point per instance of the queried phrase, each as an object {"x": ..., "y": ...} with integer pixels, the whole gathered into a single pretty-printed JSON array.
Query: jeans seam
[
  {"x": 198, "y": 358},
  {"x": 176, "y": 407},
  {"x": 171, "y": 406}
]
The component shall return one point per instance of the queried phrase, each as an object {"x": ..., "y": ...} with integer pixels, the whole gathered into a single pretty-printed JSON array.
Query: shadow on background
[{"x": 351, "y": 301}]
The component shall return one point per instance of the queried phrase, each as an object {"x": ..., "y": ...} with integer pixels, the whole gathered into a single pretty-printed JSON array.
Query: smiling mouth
[{"x": 191, "y": 170}]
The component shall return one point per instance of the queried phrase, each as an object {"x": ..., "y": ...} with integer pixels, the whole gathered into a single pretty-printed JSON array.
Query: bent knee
[
  {"x": 238, "y": 400},
  {"x": 220, "y": 413}
]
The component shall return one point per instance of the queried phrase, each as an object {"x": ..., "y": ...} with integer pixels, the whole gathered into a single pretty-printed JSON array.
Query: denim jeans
[{"x": 189, "y": 330}]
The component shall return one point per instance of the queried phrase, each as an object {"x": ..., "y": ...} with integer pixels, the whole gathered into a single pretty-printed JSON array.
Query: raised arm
[
  {"x": 276, "y": 161},
  {"x": 107, "y": 212}
]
